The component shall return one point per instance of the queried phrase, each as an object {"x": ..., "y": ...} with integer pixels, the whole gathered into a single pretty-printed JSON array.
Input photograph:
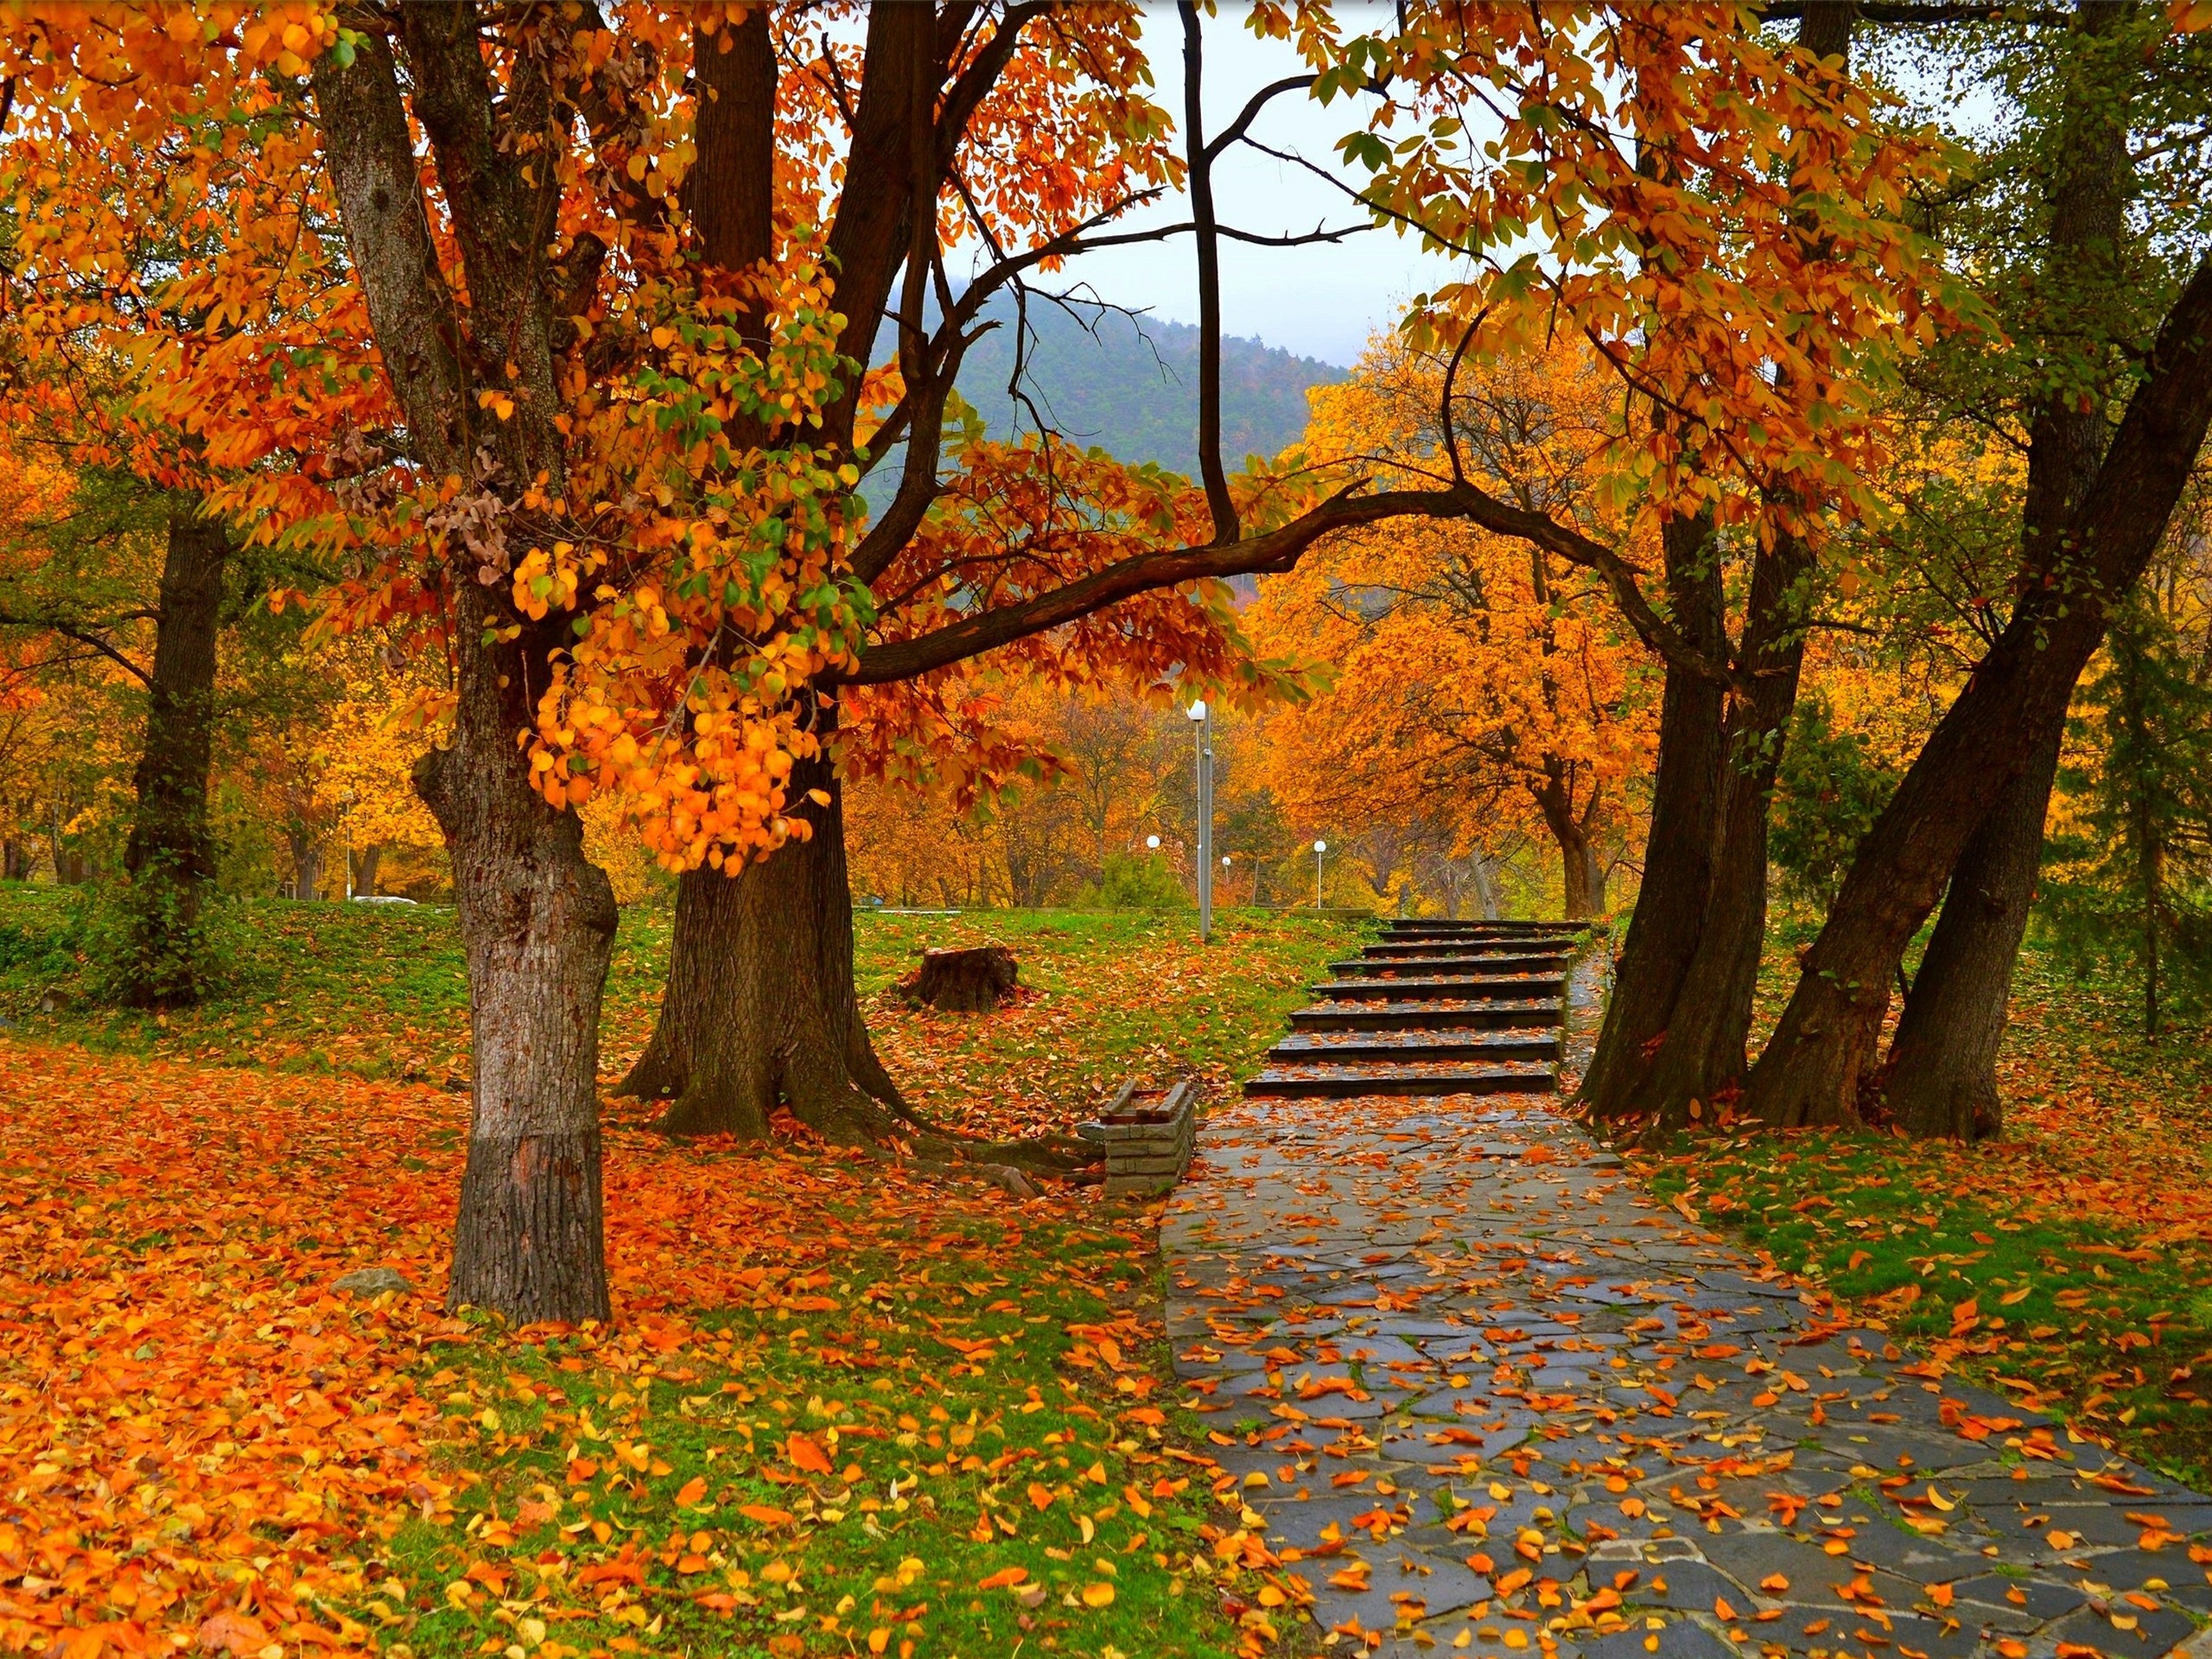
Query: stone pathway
[
  {"x": 1480, "y": 1393},
  {"x": 1430, "y": 1008}
]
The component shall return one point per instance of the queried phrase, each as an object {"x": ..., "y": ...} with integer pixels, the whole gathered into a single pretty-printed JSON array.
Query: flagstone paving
[{"x": 1481, "y": 1393}]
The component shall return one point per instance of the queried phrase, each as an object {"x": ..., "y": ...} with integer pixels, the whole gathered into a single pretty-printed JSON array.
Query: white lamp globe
[
  {"x": 1320, "y": 846},
  {"x": 1198, "y": 709},
  {"x": 1152, "y": 841}
]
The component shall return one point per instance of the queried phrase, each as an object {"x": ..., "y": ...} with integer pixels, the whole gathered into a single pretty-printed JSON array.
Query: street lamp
[
  {"x": 1319, "y": 848},
  {"x": 1152, "y": 843},
  {"x": 346, "y": 837},
  {"x": 1202, "y": 720}
]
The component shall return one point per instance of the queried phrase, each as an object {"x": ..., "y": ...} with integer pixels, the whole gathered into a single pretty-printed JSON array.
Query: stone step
[
  {"x": 1397, "y": 1046},
  {"x": 1425, "y": 967},
  {"x": 1441, "y": 1014},
  {"x": 1426, "y": 990},
  {"x": 1430, "y": 927},
  {"x": 1449, "y": 946},
  {"x": 1320, "y": 1081}
]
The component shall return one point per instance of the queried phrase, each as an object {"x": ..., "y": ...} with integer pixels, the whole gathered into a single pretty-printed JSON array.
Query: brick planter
[{"x": 1148, "y": 1135}]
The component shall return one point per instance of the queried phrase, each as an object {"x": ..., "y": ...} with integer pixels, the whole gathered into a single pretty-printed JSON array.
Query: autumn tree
[
  {"x": 138, "y": 582},
  {"x": 2111, "y": 404},
  {"x": 1476, "y": 679},
  {"x": 580, "y": 392},
  {"x": 2078, "y": 292},
  {"x": 576, "y": 296}
]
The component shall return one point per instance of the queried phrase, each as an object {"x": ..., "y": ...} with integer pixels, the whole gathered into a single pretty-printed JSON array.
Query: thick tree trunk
[
  {"x": 364, "y": 869},
  {"x": 170, "y": 854},
  {"x": 16, "y": 861},
  {"x": 760, "y": 1008},
  {"x": 1582, "y": 878},
  {"x": 536, "y": 919},
  {"x": 537, "y": 923},
  {"x": 1663, "y": 932},
  {"x": 307, "y": 864},
  {"x": 1810, "y": 1071},
  {"x": 1940, "y": 1076},
  {"x": 1942, "y": 1067},
  {"x": 1703, "y": 1053}
]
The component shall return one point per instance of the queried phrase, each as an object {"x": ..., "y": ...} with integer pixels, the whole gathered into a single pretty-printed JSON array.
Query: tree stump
[{"x": 973, "y": 981}]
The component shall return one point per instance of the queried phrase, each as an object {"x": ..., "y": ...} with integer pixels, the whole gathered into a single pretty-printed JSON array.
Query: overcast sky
[{"x": 1322, "y": 301}]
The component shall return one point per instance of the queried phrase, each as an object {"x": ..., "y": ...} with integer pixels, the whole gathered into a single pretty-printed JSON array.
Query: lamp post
[
  {"x": 1201, "y": 718},
  {"x": 1321, "y": 849},
  {"x": 1225, "y": 872},
  {"x": 345, "y": 838}
]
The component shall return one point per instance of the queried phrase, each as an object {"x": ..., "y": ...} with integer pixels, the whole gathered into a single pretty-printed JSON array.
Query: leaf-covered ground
[
  {"x": 2068, "y": 1263},
  {"x": 381, "y": 992},
  {"x": 840, "y": 1411}
]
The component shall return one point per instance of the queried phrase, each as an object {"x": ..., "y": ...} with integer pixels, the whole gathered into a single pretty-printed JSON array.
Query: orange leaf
[
  {"x": 1004, "y": 1577},
  {"x": 805, "y": 1454},
  {"x": 762, "y": 1513},
  {"x": 690, "y": 1492}
]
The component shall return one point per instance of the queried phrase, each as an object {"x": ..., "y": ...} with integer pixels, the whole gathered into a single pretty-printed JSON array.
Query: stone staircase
[{"x": 1431, "y": 1007}]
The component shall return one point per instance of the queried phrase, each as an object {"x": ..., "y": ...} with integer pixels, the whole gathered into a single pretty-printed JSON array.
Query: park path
[{"x": 1483, "y": 1393}]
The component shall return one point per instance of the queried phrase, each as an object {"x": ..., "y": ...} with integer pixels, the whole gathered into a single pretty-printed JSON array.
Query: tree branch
[
  {"x": 1219, "y": 502},
  {"x": 1280, "y": 549}
]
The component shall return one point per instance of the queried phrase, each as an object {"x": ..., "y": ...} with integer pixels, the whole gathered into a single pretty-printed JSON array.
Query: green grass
[
  {"x": 989, "y": 1371},
  {"x": 381, "y": 992},
  {"x": 2066, "y": 1263},
  {"x": 636, "y": 1465}
]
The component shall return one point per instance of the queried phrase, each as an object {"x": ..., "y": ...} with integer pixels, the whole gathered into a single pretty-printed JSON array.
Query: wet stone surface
[{"x": 1479, "y": 1393}]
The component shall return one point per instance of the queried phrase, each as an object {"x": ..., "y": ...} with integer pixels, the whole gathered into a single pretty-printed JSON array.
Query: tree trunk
[
  {"x": 1582, "y": 879},
  {"x": 1941, "y": 1077},
  {"x": 14, "y": 861},
  {"x": 1810, "y": 1071},
  {"x": 1703, "y": 1054},
  {"x": 760, "y": 1008},
  {"x": 1486, "y": 903},
  {"x": 170, "y": 854},
  {"x": 307, "y": 865},
  {"x": 364, "y": 869},
  {"x": 1942, "y": 1067},
  {"x": 536, "y": 919},
  {"x": 537, "y": 923},
  {"x": 1663, "y": 932}
]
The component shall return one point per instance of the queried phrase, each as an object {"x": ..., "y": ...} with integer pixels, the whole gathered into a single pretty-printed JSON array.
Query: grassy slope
[
  {"x": 2069, "y": 1261},
  {"x": 381, "y": 992},
  {"x": 989, "y": 1369}
]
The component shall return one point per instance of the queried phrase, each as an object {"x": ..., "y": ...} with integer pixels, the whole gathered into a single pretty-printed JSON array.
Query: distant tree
[{"x": 2132, "y": 873}]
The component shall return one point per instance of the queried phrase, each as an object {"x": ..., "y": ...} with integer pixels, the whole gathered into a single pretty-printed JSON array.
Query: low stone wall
[{"x": 1149, "y": 1136}]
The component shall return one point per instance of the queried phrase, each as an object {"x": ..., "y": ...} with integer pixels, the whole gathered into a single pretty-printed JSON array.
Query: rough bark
[
  {"x": 1940, "y": 1076},
  {"x": 1942, "y": 1067},
  {"x": 307, "y": 864},
  {"x": 1662, "y": 931},
  {"x": 170, "y": 854},
  {"x": 1703, "y": 1055},
  {"x": 1810, "y": 1070},
  {"x": 761, "y": 1012},
  {"x": 760, "y": 1009},
  {"x": 536, "y": 919},
  {"x": 971, "y": 980}
]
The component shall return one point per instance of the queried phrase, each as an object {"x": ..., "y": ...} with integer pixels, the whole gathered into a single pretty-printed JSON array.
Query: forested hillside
[{"x": 1129, "y": 385}]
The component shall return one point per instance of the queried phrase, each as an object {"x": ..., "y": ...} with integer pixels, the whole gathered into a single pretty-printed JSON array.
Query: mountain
[{"x": 1129, "y": 385}]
